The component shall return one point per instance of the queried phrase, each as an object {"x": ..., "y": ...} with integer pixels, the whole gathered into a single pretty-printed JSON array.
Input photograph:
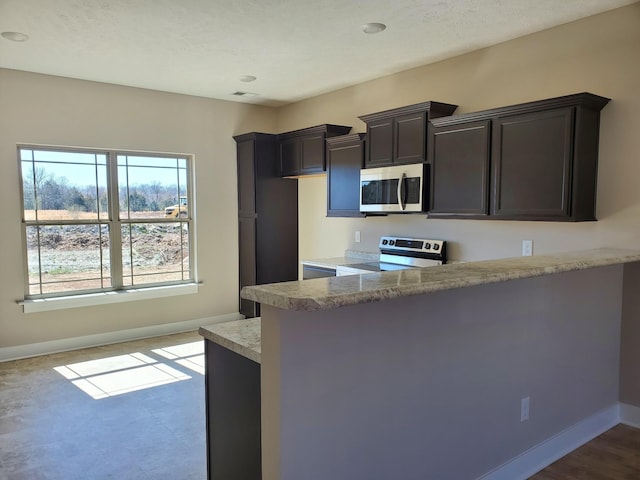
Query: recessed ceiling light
[
  {"x": 373, "y": 27},
  {"x": 15, "y": 36},
  {"x": 247, "y": 78}
]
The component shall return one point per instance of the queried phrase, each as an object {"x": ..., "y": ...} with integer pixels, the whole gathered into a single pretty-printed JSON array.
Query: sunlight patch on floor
[
  {"x": 189, "y": 355},
  {"x": 193, "y": 363},
  {"x": 183, "y": 350},
  {"x": 103, "y": 365},
  {"x": 107, "y": 377}
]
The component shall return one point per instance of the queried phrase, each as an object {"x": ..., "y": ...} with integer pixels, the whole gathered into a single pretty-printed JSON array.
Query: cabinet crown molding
[
  {"x": 585, "y": 99},
  {"x": 328, "y": 129},
  {"x": 340, "y": 139},
  {"x": 255, "y": 136},
  {"x": 435, "y": 108}
]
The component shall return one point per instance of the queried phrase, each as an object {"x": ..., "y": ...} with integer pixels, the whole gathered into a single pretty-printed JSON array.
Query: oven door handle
[{"x": 401, "y": 191}]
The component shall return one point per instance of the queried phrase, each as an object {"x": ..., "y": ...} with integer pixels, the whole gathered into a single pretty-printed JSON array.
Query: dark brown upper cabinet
[
  {"x": 345, "y": 158},
  {"x": 302, "y": 152},
  {"x": 459, "y": 155},
  {"x": 533, "y": 165},
  {"x": 532, "y": 161},
  {"x": 398, "y": 135}
]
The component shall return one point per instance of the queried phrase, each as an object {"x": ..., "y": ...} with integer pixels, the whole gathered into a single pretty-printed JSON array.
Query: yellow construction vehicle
[{"x": 175, "y": 211}]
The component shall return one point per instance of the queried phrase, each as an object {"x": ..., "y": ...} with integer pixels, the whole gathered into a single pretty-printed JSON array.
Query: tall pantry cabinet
[{"x": 267, "y": 216}]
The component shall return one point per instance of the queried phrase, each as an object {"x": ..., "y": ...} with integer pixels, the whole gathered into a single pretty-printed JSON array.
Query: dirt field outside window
[{"x": 76, "y": 257}]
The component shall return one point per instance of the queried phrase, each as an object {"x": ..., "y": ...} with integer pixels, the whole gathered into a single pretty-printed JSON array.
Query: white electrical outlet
[
  {"x": 357, "y": 236},
  {"x": 524, "y": 409},
  {"x": 527, "y": 248}
]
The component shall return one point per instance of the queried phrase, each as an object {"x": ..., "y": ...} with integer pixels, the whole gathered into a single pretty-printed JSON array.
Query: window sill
[{"x": 104, "y": 298}]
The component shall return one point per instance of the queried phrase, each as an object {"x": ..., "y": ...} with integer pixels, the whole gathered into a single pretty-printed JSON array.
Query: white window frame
[{"x": 117, "y": 292}]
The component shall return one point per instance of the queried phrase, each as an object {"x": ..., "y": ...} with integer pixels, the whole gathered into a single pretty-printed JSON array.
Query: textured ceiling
[{"x": 296, "y": 48}]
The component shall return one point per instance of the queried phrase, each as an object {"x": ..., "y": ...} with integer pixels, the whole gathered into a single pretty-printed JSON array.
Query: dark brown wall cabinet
[
  {"x": 302, "y": 152},
  {"x": 345, "y": 158},
  {"x": 532, "y": 166},
  {"x": 532, "y": 161},
  {"x": 399, "y": 135},
  {"x": 267, "y": 216},
  {"x": 459, "y": 157}
]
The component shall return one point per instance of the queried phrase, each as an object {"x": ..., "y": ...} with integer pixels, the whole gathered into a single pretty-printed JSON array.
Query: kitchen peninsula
[{"x": 422, "y": 373}]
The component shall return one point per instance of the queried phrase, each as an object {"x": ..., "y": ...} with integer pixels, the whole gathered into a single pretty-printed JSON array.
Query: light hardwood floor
[
  {"x": 614, "y": 455},
  {"x": 52, "y": 429}
]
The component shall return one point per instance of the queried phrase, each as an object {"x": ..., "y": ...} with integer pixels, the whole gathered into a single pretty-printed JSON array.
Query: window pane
[
  {"x": 186, "y": 265},
  {"x": 103, "y": 194},
  {"x": 151, "y": 187},
  {"x": 63, "y": 185},
  {"x": 88, "y": 158},
  {"x": 28, "y": 191},
  {"x": 155, "y": 253},
  {"x": 69, "y": 257},
  {"x": 149, "y": 161}
]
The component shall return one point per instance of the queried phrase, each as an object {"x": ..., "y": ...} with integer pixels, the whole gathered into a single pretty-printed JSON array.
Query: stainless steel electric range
[{"x": 399, "y": 253}]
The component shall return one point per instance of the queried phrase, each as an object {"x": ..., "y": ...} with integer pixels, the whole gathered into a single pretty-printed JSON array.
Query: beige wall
[
  {"x": 58, "y": 111},
  {"x": 629, "y": 351},
  {"x": 598, "y": 54}
]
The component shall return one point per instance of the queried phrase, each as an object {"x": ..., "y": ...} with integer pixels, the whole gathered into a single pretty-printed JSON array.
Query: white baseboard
[
  {"x": 75, "y": 343},
  {"x": 542, "y": 455},
  {"x": 630, "y": 415}
]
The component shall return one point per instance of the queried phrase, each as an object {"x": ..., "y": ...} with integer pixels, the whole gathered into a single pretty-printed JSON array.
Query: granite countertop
[
  {"x": 351, "y": 257},
  {"x": 239, "y": 336},
  {"x": 332, "y": 262},
  {"x": 331, "y": 292}
]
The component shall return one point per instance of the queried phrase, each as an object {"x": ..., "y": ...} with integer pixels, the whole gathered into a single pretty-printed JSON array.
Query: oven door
[{"x": 397, "y": 189}]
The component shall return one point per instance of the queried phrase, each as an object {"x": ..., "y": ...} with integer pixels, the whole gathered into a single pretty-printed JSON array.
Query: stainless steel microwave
[{"x": 396, "y": 189}]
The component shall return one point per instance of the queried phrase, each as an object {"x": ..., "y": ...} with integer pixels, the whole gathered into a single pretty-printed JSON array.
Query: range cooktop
[
  {"x": 400, "y": 253},
  {"x": 415, "y": 252}
]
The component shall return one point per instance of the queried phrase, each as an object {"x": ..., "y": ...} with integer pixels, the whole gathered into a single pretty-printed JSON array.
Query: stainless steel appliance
[
  {"x": 396, "y": 189},
  {"x": 399, "y": 253}
]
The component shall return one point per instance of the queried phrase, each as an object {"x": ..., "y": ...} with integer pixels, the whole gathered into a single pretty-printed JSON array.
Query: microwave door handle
[{"x": 400, "y": 191}]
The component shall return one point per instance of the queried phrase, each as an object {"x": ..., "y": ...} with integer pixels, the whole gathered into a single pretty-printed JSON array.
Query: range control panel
[{"x": 404, "y": 246}]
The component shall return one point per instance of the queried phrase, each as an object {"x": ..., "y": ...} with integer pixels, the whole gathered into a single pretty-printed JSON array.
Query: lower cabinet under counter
[
  {"x": 232, "y": 385},
  {"x": 233, "y": 418}
]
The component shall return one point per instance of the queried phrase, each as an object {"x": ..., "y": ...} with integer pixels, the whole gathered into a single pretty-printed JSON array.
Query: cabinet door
[
  {"x": 344, "y": 161},
  {"x": 409, "y": 138},
  {"x": 289, "y": 157},
  {"x": 312, "y": 160},
  {"x": 246, "y": 178},
  {"x": 531, "y": 160},
  {"x": 232, "y": 386},
  {"x": 459, "y": 157},
  {"x": 247, "y": 254},
  {"x": 379, "y": 143},
  {"x": 277, "y": 231}
]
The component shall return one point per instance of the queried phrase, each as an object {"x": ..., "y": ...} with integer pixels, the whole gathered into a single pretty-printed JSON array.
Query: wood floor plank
[{"x": 614, "y": 455}]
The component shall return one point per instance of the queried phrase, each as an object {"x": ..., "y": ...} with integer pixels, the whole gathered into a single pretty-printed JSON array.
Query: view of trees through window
[
  {"x": 104, "y": 220},
  {"x": 55, "y": 193}
]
